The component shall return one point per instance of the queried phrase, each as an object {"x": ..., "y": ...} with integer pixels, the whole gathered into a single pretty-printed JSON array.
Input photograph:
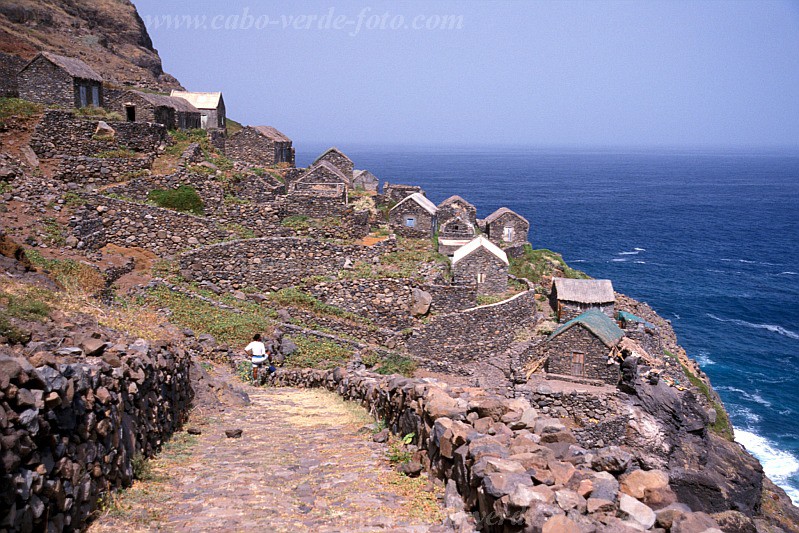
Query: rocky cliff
[{"x": 109, "y": 35}]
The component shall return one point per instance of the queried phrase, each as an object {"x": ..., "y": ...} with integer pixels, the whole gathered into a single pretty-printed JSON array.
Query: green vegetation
[
  {"x": 304, "y": 223},
  {"x": 406, "y": 262},
  {"x": 313, "y": 352},
  {"x": 398, "y": 452},
  {"x": 232, "y": 126},
  {"x": 122, "y": 153},
  {"x": 133, "y": 174},
  {"x": 722, "y": 426},
  {"x": 13, "y": 334},
  {"x": 535, "y": 264},
  {"x": 70, "y": 274},
  {"x": 98, "y": 113},
  {"x": 29, "y": 307},
  {"x": 53, "y": 232},
  {"x": 16, "y": 107},
  {"x": 183, "y": 138},
  {"x": 142, "y": 470},
  {"x": 73, "y": 200},
  {"x": 393, "y": 363},
  {"x": 293, "y": 297},
  {"x": 5, "y": 187},
  {"x": 240, "y": 231},
  {"x": 184, "y": 199}
]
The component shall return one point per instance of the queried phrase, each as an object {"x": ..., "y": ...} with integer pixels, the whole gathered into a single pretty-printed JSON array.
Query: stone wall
[
  {"x": 210, "y": 191},
  {"x": 316, "y": 204},
  {"x": 128, "y": 224},
  {"x": 453, "y": 342},
  {"x": 451, "y": 298},
  {"x": 99, "y": 171},
  {"x": 579, "y": 339},
  {"x": 425, "y": 223},
  {"x": 273, "y": 263},
  {"x": 10, "y": 65},
  {"x": 258, "y": 189},
  {"x": 338, "y": 160},
  {"x": 394, "y": 192},
  {"x": 46, "y": 83},
  {"x": 569, "y": 310},
  {"x": 70, "y": 431},
  {"x": 484, "y": 268},
  {"x": 496, "y": 229},
  {"x": 384, "y": 301},
  {"x": 61, "y": 133},
  {"x": 251, "y": 146}
]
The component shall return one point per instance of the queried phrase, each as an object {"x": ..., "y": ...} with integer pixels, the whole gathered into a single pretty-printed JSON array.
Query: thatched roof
[
  {"x": 584, "y": 291},
  {"x": 501, "y": 211},
  {"x": 426, "y": 204},
  {"x": 597, "y": 323},
  {"x": 178, "y": 104},
  {"x": 199, "y": 100},
  {"x": 454, "y": 199},
  {"x": 72, "y": 65},
  {"x": 332, "y": 150},
  {"x": 271, "y": 133},
  {"x": 474, "y": 245}
]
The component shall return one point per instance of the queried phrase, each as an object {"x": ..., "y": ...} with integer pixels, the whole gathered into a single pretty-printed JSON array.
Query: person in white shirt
[{"x": 259, "y": 356}]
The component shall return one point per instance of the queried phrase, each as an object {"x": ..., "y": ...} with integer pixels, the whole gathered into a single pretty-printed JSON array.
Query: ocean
[{"x": 709, "y": 239}]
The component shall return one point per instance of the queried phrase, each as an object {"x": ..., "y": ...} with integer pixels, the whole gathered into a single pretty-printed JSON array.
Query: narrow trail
[{"x": 300, "y": 465}]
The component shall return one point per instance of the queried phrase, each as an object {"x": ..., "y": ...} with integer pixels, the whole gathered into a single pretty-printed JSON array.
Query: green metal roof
[
  {"x": 629, "y": 317},
  {"x": 597, "y": 323}
]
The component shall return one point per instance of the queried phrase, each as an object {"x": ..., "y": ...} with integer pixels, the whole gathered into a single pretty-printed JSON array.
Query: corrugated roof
[
  {"x": 629, "y": 317},
  {"x": 597, "y": 323},
  {"x": 474, "y": 244},
  {"x": 199, "y": 100},
  {"x": 74, "y": 66},
  {"x": 585, "y": 291},
  {"x": 420, "y": 199},
  {"x": 271, "y": 133},
  {"x": 452, "y": 199},
  {"x": 501, "y": 211},
  {"x": 332, "y": 149}
]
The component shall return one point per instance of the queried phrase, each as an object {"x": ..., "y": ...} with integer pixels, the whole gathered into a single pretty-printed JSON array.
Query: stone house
[
  {"x": 365, "y": 180},
  {"x": 321, "y": 176},
  {"x": 137, "y": 106},
  {"x": 506, "y": 228},
  {"x": 211, "y": 106},
  {"x": 571, "y": 297},
  {"x": 10, "y": 65},
  {"x": 263, "y": 146},
  {"x": 415, "y": 216},
  {"x": 336, "y": 157},
  {"x": 586, "y": 347},
  {"x": 62, "y": 81},
  {"x": 481, "y": 262},
  {"x": 454, "y": 232},
  {"x": 395, "y": 192},
  {"x": 455, "y": 206}
]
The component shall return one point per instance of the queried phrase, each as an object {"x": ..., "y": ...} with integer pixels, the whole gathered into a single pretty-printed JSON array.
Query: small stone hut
[
  {"x": 260, "y": 145},
  {"x": 396, "y": 192},
  {"x": 415, "y": 216},
  {"x": 10, "y": 65},
  {"x": 321, "y": 175},
  {"x": 454, "y": 232},
  {"x": 211, "y": 106},
  {"x": 336, "y": 157},
  {"x": 506, "y": 228},
  {"x": 67, "y": 82},
  {"x": 586, "y": 347},
  {"x": 365, "y": 180},
  {"x": 571, "y": 297},
  {"x": 137, "y": 106},
  {"x": 455, "y": 206},
  {"x": 481, "y": 262}
]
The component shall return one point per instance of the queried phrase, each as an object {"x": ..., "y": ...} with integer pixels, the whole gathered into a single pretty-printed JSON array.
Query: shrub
[
  {"x": 16, "y": 107},
  {"x": 535, "y": 264},
  {"x": 393, "y": 363},
  {"x": 70, "y": 274},
  {"x": 184, "y": 199},
  {"x": 313, "y": 352},
  {"x": 120, "y": 153}
]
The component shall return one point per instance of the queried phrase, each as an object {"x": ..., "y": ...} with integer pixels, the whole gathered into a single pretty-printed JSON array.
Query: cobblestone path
[{"x": 300, "y": 465}]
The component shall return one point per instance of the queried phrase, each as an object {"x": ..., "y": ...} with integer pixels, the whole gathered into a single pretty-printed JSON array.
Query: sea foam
[
  {"x": 778, "y": 465},
  {"x": 770, "y": 327}
]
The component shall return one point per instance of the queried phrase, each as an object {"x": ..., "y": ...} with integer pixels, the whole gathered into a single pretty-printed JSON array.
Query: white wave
[
  {"x": 716, "y": 271},
  {"x": 677, "y": 316},
  {"x": 704, "y": 360},
  {"x": 578, "y": 261},
  {"x": 751, "y": 396},
  {"x": 619, "y": 260},
  {"x": 747, "y": 261},
  {"x": 779, "y": 465},
  {"x": 640, "y": 249},
  {"x": 788, "y": 273},
  {"x": 627, "y": 253},
  {"x": 786, "y": 412},
  {"x": 741, "y": 412},
  {"x": 769, "y": 327},
  {"x": 640, "y": 262}
]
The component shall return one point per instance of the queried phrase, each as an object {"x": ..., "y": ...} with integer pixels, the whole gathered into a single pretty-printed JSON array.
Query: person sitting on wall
[{"x": 259, "y": 356}]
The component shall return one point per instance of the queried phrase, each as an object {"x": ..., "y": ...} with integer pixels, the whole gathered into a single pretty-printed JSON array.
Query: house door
[
  {"x": 130, "y": 113},
  {"x": 83, "y": 96},
  {"x": 95, "y": 96},
  {"x": 507, "y": 234},
  {"x": 578, "y": 364},
  {"x": 204, "y": 122}
]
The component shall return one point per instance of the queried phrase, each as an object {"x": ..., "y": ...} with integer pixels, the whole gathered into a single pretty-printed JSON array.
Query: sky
[{"x": 568, "y": 74}]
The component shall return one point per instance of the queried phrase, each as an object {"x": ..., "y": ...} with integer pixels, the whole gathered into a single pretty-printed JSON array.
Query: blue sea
[{"x": 709, "y": 239}]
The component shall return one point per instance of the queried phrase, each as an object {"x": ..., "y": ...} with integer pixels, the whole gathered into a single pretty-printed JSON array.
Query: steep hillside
[{"x": 107, "y": 34}]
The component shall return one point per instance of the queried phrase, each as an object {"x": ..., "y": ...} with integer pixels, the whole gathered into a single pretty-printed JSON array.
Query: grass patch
[
  {"x": 304, "y": 223},
  {"x": 232, "y": 126},
  {"x": 119, "y": 153},
  {"x": 293, "y": 297},
  {"x": 26, "y": 308},
  {"x": 241, "y": 232},
  {"x": 393, "y": 363},
  {"x": 16, "y": 107},
  {"x": 411, "y": 254},
  {"x": 184, "y": 199},
  {"x": 53, "y": 232},
  {"x": 70, "y": 274},
  {"x": 535, "y": 264},
  {"x": 73, "y": 200},
  {"x": 313, "y": 352},
  {"x": 227, "y": 326},
  {"x": 97, "y": 113}
]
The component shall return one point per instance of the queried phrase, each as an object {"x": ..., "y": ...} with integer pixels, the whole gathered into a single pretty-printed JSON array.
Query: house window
[
  {"x": 95, "y": 96},
  {"x": 507, "y": 234},
  {"x": 481, "y": 277},
  {"x": 410, "y": 222},
  {"x": 578, "y": 364}
]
